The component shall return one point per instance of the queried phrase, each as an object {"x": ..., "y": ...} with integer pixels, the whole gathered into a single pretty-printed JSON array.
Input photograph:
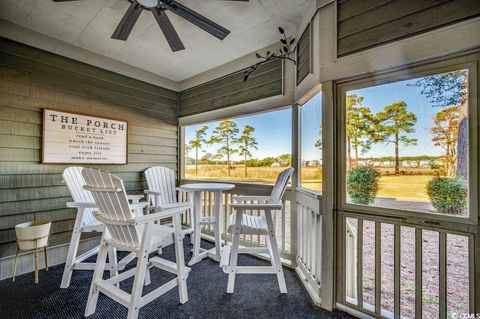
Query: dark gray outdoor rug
[{"x": 256, "y": 296}]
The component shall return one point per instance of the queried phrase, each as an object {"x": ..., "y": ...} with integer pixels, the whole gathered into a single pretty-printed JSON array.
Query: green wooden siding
[
  {"x": 231, "y": 90},
  {"x": 32, "y": 79},
  {"x": 304, "y": 58},
  {"x": 369, "y": 23}
]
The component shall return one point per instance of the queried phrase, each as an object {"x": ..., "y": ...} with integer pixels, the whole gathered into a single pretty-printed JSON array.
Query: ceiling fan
[{"x": 158, "y": 9}]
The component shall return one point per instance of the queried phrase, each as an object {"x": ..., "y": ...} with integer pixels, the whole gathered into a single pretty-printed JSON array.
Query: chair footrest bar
[
  {"x": 121, "y": 277},
  {"x": 85, "y": 266},
  {"x": 158, "y": 292},
  {"x": 126, "y": 260},
  {"x": 87, "y": 254},
  {"x": 253, "y": 250},
  {"x": 113, "y": 292},
  {"x": 255, "y": 270},
  {"x": 167, "y": 265}
]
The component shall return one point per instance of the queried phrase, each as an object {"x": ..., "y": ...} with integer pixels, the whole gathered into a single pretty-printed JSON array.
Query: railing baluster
[
  {"x": 442, "y": 251},
  {"x": 307, "y": 234},
  {"x": 360, "y": 262},
  {"x": 283, "y": 226},
  {"x": 257, "y": 213},
  {"x": 396, "y": 264},
  {"x": 318, "y": 248},
  {"x": 378, "y": 268},
  {"x": 299, "y": 232},
  {"x": 418, "y": 273},
  {"x": 313, "y": 244}
]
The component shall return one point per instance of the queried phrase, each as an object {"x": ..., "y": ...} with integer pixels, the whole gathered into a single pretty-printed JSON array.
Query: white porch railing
[
  {"x": 282, "y": 218},
  {"x": 309, "y": 241},
  {"x": 389, "y": 268}
]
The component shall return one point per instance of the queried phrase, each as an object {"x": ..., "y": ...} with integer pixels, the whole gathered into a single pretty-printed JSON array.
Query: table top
[{"x": 207, "y": 187}]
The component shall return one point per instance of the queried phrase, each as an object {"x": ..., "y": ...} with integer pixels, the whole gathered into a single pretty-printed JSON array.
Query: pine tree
[
  {"x": 226, "y": 134},
  {"x": 197, "y": 143},
  {"x": 246, "y": 143},
  {"x": 394, "y": 120},
  {"x": 359, "y": 126}
]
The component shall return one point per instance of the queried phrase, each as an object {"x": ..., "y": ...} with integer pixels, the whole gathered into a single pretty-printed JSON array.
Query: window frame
[
  {"x": 433, "y": 219},
  {"x": 310, "y": 95},
  {"x": 182, "y": 146}
]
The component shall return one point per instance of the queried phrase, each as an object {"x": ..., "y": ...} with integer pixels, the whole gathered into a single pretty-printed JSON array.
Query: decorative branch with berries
[{"x": 283, "y": 53}]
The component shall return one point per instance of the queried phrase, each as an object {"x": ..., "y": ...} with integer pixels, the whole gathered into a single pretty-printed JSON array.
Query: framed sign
[{"x": 77, "y": 138}]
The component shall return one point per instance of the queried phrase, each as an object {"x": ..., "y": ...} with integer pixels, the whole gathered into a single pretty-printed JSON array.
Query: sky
[
  {"x": 273, "y": 129},
  {"x": 377, "y": 97}
]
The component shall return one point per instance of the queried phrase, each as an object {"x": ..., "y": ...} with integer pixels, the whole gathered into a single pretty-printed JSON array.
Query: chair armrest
[
  {"x": 171, "y": 212},
  {"x": 135, "y": 198},
  {"x": 187, "y": 205},
  {"x": 138, "y": 205},
  {"x": 143, "y": 219},
  {"x": 149, "y": 192},
  {"x": 242, "y": 207},
  {"x": 81, "y": 205},
  {"x": 241, "y": 198}
]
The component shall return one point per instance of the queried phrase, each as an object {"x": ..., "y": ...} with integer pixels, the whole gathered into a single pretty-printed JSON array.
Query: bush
[
  {"x": 363, "y": 184},
  {"x": 448, "y": 194}
]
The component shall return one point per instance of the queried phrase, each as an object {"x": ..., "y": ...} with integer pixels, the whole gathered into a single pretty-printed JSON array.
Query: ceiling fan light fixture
[{"x": 148, "y": 3}]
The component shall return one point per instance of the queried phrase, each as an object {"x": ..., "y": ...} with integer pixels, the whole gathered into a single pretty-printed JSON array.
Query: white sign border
[{"x": 81, "y": 114}]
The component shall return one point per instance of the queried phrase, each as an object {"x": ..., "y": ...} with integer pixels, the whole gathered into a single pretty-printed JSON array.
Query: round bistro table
[{"x": 197, "y": 189}]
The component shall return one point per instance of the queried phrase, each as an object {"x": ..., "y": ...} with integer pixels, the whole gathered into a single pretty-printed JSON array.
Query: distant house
[{"x": 276, "y": 164}]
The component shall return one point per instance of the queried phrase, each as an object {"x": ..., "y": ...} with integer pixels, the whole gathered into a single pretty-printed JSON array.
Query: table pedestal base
[{"x": 210, "y": 253}]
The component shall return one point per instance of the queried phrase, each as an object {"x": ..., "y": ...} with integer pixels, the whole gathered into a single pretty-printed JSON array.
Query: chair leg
[
  {"x": 180, "y": 260},
  {"x": 15, "y": 266},
  {"x": 112, "y": 263},
  {"x": 142, "y": 268},
  {"x": 275, "y": 254},
  {"x": 234, "y": 253},
  {"x": 148, "y": 279},
  {"x": 46, "y": 257},
  {"x": 71, "y": 256},
  {"x": 97, "y": 275},
  {"x": 36, "y": 265}
]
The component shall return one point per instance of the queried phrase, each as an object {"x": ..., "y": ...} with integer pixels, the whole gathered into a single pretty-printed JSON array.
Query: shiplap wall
[
  {"x": 231, "y": 90},
  {"x": 363, "y": 24},
  {"x": 31, "y": 79},
  {"x": 304, "y": 58}
]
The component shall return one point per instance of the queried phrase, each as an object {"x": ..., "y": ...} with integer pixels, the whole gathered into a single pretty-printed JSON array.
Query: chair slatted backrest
[
  {"x": 109, "y": 194},
  {"x": 280, "y": 185},
  {"x": 72, "y": 177},
  {"x": 162, "y": 179}
]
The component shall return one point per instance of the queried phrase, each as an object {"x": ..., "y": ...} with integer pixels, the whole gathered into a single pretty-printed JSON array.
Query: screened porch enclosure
[{"x": 375, "y": 108}]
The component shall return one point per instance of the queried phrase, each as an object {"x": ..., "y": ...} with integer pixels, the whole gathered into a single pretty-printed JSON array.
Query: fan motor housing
[{"x": 148, "y": 3}]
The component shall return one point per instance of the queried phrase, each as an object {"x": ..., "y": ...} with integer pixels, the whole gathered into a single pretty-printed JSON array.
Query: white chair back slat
[
  {"x": 72, "y": 177},
  {"x": 112, "y": 205},
  {"x": 280, "y": 185},
  {"x": 162, "y": 179}
]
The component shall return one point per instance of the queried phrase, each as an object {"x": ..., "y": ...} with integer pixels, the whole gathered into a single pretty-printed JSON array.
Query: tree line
[
  {"x": 227, "y": 135},
  {"x": 395, "y": 123}
]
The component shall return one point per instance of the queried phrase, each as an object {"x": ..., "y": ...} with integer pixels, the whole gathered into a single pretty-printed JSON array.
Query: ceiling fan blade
[
  {"x": 168, "y": 30},
  {"x": 128, "y": 21},
  {"x": 197, "y": 19}
]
